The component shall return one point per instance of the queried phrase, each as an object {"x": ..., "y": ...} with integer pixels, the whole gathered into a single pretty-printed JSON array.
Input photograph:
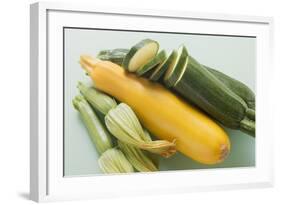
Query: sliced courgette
[
  {"x": 140, "y": 54},
  {"x": 174, "y": 73},
  {"x": 158, "y": 59},
  {"x": 161, "y": 68}
]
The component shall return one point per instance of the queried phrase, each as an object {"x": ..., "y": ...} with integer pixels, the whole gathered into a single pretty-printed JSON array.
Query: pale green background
[{"x": 234, "y": 56}]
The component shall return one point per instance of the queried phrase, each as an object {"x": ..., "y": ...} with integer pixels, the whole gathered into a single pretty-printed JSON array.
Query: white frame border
[{"x": 39, "y": 77}]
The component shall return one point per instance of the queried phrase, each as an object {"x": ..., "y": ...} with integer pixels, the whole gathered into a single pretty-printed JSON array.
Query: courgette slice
[
  {"x": 140, "y": 54},
  {"x": 158, "y": 59},
  {"x": 174, "y": 73},
  {"x": 161, "y": 68}
]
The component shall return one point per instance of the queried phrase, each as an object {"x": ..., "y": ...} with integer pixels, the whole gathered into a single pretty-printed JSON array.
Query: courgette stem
[
  {"x": 248, "y": 126},
  {"x": 98, "y": 133},
  {"x": 114, "y": 55},
  {"x": 251, "y": 114}
]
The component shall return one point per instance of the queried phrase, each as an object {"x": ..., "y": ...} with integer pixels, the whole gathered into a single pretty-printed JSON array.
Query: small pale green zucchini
[
  {"x": 195, "y": 83},
  {"x": 103, "y": 103},
  {"x": 98, "y": 133},
  {"x": 158, "y": 59},
  {"x": 140, "y": 54},
  {"x": 161, "y": 69},
  {"x": 236, "y": 86}
]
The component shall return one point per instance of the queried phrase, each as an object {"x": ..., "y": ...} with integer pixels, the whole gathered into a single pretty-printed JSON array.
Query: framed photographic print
[{"x": 127, "y": 102}]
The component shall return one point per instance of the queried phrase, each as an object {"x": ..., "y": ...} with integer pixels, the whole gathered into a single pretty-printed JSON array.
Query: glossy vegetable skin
[
  {"x": 196, "y": 84},
  {"x": 235, "y": 86},
  {"x": 164, "y": 114}
]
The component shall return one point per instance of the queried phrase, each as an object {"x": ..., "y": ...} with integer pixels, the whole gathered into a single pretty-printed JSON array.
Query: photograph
[{"x": 140, "y": 101}]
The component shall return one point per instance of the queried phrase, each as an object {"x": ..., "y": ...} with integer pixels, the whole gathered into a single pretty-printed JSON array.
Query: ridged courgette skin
[
  {"x": 201, "y": 87},
  {"x": 236, "y": 86}
]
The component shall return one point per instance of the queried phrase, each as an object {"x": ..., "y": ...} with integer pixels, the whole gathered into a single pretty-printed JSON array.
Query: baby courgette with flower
[
  {"x": 140, "y": 160},
  {"x": 111, "y": 160}
]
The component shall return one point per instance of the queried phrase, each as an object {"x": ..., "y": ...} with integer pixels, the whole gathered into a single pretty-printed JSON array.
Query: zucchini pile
[{"x": 225, "y": 99}]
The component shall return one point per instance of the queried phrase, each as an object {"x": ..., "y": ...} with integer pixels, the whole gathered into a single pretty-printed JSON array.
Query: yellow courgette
[{"x": 161, "y": 112}]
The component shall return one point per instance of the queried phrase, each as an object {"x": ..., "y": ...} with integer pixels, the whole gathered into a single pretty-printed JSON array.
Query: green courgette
[
  {"x": 140, "y": 54},
  {"x": 158, "y": 59},
  {"x": 198, "y": 85},
  {"x": 239, "y": 88},
  {"x": 236, "y": 86}
]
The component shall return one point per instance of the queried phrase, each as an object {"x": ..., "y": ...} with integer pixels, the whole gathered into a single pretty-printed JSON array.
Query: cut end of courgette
[
  {"x": 175, "y": 71},
  {"x": 140, "y": 54},
  {"x": 165, "y": 65},
  {"x": 158, "y": 59}
]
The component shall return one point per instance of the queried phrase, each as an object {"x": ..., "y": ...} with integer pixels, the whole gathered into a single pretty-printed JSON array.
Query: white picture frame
[{"x": 46, "y": 157}]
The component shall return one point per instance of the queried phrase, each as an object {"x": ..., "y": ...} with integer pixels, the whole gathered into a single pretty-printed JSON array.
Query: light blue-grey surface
[{"x": 234, "y": 56}]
